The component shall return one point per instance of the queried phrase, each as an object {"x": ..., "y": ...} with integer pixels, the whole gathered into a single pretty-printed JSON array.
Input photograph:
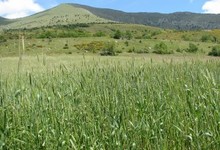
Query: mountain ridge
[
  {"x": 71, "y": 13},
  {"x": 176, "y": 20}
]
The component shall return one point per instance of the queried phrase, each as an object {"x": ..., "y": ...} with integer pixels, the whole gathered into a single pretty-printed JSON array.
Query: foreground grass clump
[{"x": 112, "y": 106}]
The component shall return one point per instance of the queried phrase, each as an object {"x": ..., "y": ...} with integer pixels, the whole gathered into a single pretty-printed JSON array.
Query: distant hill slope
[
  {"x": 178, "y": 20},
  {"x": 74, "y": 13},
  {"x": 61, "y": 15},
  {"x": 4, "y": 21}
]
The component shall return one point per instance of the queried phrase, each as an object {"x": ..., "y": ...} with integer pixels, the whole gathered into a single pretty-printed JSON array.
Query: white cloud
[
  {"x": 18, "y": 8},
  {"x": 212, "y": 6}
]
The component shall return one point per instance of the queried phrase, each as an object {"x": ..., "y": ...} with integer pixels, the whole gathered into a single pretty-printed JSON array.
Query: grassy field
[
  {"x": 129, "y": 101},
  {"x": 159, "y": 89},
  {"x": 60, "y": 93},
  {"x": 83, "y": 38},
  {"x": 56, "y": 46}
]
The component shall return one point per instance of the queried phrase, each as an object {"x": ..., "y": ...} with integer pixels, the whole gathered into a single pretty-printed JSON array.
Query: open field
[
  {"x": 159, "y": 89},
  {"x": 129, "y": 101},
  {"x": 92, "y": 38},
  {"x": 70, "y": 79},
  {"x": 56, "y": 46}
]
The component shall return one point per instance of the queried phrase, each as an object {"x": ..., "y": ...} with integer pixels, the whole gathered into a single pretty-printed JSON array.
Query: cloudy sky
[{"x": 21, "y": 8}]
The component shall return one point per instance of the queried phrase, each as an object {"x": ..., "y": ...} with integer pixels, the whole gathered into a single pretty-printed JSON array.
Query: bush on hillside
[
  {"x": 141, "y": 51},
  {"x": 162, "y": 48},
  {"x": 128, "y": 35},
  {"x": 2, "y": 39},
  {"x": 179, "y": 50},
  {"x": 99, "y": 34},
  {"x": 109, "y": 49},
  {"x": 192, "y": 48},
  {"x": 117, "y": 34},
  {"x": 66, "y": 46},
  {"x": 208, "y": 38},
  {"x": 91, "y": 47},
  {"x": 215, "y": 51}
]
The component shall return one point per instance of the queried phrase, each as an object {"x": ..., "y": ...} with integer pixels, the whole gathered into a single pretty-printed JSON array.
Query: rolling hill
[
  {"x": 65, "y": 14},
  {"x": 61, "y": 15},
  {"x": 178, "y": 20},
  {"x": 4, "y": 21}
]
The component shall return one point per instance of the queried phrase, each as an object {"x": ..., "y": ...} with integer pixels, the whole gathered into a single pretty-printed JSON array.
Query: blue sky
[
  {"x": 21, "y": 8},
  {"x": 164, "y": 6}
]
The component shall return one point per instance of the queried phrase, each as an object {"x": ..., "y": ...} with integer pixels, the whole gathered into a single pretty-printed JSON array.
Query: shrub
[
  {"x": 91, "y": 47},
  {"x": 128, "y": 35},
  {"x": 145, "y": 50},
  {"x": 146, "y": 36},
  {"x": 185, "y": 37},
  {"x": 162, "y": 48},
  {"x": 99, "y": 34},
  {"x": 117, "y": 34},
  {"x": 2, "y": 39},
  {"x": 109, "y": 49},
  {"x": 126, "y": 43},
  {"x": 208, "y": 38},
  {"x": 118, "y": 51},
  {"x": 215, "y": 51},
  {"x": 179, "y": 50},
  {"x": 192, "y": 48},
  {"x": 66, "y": 46},
  {"x": 131, "y": 50}
]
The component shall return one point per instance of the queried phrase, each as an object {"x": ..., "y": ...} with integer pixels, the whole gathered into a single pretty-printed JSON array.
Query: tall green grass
[{"x": 109, "y": 105}]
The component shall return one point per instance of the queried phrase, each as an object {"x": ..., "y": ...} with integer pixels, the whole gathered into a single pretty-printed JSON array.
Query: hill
[
  {"x": 178, "y": 20},
  {"x": 4, "y": 21},
  {"x": 61, "y": 15},
  {"x": 66, "y": 14}
]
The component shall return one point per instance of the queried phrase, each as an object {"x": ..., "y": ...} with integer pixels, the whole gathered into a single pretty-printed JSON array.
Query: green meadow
[
  {"x": 130, "y": 101},
  {"x": 109, "y": 86}
]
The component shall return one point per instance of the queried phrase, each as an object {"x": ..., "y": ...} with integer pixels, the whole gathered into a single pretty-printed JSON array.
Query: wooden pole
[
  {"x": 23, "y": 44},
  {"x": 21, "y": 52}
]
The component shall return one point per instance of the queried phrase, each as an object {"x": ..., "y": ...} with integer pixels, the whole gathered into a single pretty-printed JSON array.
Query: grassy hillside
[
  {"x": 61, "y": 15},
  {"x": 74, "y": 13},
  {"x": 4, "y": 21},
  {"x": 92, "y": 38}
]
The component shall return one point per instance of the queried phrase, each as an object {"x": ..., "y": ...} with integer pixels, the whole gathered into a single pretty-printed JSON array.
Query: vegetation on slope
[
  {"x": 4, "y": 21},
  {"x": 61, "y": 15},
  {"x": 74, "y": 13},
  {"x": 179, "y": 20},
  {"x": 131, "y": 38}
]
